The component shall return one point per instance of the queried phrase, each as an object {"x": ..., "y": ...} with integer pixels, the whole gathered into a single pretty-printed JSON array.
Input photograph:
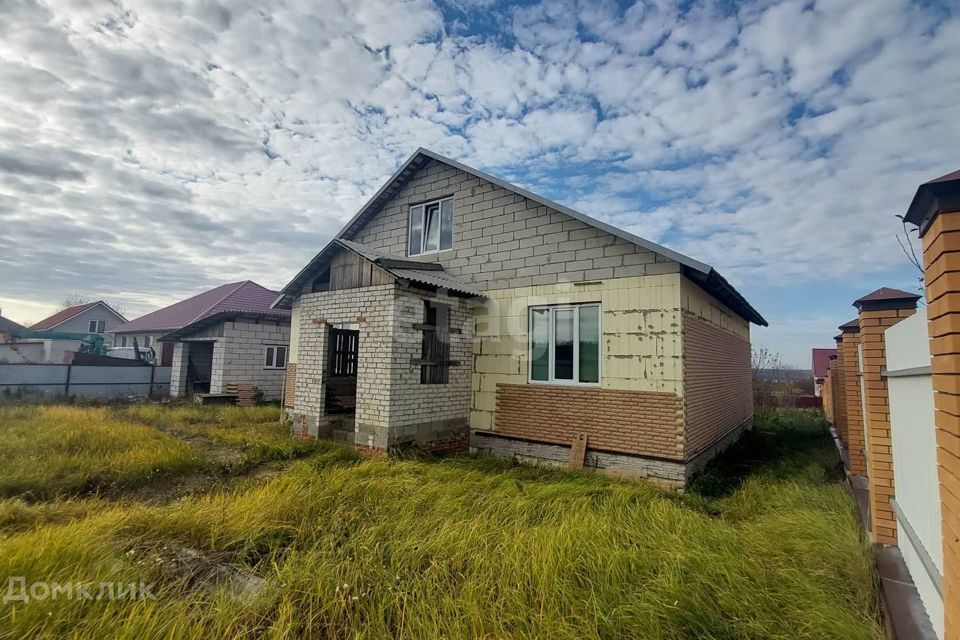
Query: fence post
[
  {"x": 936, "y": 211},
  {"x": 856, "y": 443},
  {"x": 879, "y": 310},
  {"x": 153, "y": 372},
  {"x": 66, "y": 383}
]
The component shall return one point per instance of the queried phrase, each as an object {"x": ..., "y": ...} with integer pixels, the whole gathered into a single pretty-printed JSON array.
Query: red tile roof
[
  {"x": 821, "y": 361},
  {"x": 239, "y": 297},
  {"x": 62, "y": 316}
]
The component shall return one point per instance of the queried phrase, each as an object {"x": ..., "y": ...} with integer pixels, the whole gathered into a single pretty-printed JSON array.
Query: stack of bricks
[
  {"x": 856, "y": 442},
  {"x": 878, "y": 311},
  {"x": 246, "y": 395},
  {"x": 936, "y": 211}
]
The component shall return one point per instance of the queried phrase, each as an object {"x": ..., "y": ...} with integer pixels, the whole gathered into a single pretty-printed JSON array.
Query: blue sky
[{"x": 150, "y": 151}]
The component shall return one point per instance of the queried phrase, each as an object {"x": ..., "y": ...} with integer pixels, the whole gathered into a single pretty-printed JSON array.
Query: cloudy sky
[{"x": 150, "y": 151}]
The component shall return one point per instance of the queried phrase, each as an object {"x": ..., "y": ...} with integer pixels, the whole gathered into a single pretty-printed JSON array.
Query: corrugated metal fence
[{"x": 84, "y": 380}]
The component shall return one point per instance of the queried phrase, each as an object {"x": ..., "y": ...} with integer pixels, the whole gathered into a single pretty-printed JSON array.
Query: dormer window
[{"x": 431, "y": 227}]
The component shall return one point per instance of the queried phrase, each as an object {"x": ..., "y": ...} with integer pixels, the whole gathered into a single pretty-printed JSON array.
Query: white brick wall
[{"x": 392, "y": 406}]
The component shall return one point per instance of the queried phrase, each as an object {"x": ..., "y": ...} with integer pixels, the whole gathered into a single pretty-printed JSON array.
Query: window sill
[
  {"x": 564, "y": 383},
  {"x": 428, "y": 253}
]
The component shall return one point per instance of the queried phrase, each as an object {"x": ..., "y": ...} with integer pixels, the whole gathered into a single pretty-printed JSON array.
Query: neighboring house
[
  {"x": 821, "y": 363},
  {"x": 458, "y": 310},
  {"x": 92, "y": 317},
  {"x": 225, "y": 336},
  {"x": 13, "y": 350}
]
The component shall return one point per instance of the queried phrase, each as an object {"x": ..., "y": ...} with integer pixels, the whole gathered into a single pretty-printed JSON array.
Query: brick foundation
[{"x": 671, "y": 474}]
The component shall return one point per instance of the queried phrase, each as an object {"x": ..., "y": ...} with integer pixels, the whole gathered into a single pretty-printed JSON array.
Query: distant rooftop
[
  {"x": 239, "y": 297},
  {"x": 821, "y": 361}
]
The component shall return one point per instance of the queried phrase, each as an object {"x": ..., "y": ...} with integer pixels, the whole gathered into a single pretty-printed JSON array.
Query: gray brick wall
[{"x": 503, "y": 240}]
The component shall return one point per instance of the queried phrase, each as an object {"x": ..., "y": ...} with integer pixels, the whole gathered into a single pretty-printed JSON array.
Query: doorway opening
[
  {"x": 199, "y": 367},
  {"x": 341, "y": 384}
]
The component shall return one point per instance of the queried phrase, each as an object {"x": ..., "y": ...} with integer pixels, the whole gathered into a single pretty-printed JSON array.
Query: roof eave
[
  {"x": 213, "y": 318},
  {"x": 932, "y": 199}
]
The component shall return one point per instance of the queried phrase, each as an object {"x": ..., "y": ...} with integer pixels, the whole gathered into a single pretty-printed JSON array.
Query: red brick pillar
[
  {"x": 856, "y": 443},
  {"x": 879, "y": 310},
  {"x": 839, "y": 404},
  {"x": 828, "y": 386},
  {"x": 936, "y": 211},
  {"x": 832, "y": 371}
]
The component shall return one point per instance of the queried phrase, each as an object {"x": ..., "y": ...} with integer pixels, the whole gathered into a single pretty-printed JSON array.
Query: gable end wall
[{"x": 503, "y": 240}]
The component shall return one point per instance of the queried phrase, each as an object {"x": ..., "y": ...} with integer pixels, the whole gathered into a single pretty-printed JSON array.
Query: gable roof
[
  {"x": 62, "y": 316},
  {"x": 821, "y": 361},
  {"x": 245, "y": 297},
  {"x": 702, "y": 274},
  {"x": 9, "y": 326},
  {"x": 932, "y": 198}
]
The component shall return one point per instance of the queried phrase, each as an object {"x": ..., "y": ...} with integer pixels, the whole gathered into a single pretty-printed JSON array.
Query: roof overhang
[
  {"x": 429, "y": 274},
  {"x": 933, "y": 198},
  {"x": 221, "y": 316}
]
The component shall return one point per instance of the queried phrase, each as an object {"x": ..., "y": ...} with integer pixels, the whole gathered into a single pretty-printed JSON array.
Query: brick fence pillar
[
  {"x": 839, "y": 405},
  {"x": 936, "y": 211},
  {"x": 879, "y": 310},
  {"x": 828, "y": 385},
  {"x": 856, "y": 442}
]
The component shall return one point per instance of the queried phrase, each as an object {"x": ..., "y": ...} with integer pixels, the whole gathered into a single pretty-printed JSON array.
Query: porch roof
[{"x": 427, "y": 273}]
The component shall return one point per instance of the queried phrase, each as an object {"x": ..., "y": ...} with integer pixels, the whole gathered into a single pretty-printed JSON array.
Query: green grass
[
  {"x": 470, "y": 547},
  {"x": 50, "y": 451},
  {"x": 253, "y": 434}
]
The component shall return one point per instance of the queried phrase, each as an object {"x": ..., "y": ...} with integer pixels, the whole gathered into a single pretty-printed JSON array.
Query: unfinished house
[
  {"x": 456, "y": 310},
  {"x": 217, "y": 339}
]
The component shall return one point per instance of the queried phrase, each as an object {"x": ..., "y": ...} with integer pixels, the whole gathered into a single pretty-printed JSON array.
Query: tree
[
  {"x": 73, "y": 299},
  {"x": 766, "y": 366}
]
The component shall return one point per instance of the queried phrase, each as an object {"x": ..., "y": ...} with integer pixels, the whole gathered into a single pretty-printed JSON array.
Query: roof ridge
[{"x": 219, "y": 300}]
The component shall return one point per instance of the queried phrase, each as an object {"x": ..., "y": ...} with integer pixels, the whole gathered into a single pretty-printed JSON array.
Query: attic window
[
  {"x": 96, "y": 326},
  {"x": 431, "y": 227}
]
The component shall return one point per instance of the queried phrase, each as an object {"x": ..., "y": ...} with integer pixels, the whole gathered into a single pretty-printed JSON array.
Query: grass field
[{"x": 332, "y": 545}]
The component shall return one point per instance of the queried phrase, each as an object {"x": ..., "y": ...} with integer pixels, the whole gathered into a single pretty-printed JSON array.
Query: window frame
[
  {"x": 99, "y": 326},
  {"x": 575, "y": 307},
  {"x": 271, "y": 363},
  {"x": 423, "y": 226}
]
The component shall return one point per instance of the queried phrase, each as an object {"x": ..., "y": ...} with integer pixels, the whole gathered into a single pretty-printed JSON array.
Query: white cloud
[{"x": 149, "y": 151}]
